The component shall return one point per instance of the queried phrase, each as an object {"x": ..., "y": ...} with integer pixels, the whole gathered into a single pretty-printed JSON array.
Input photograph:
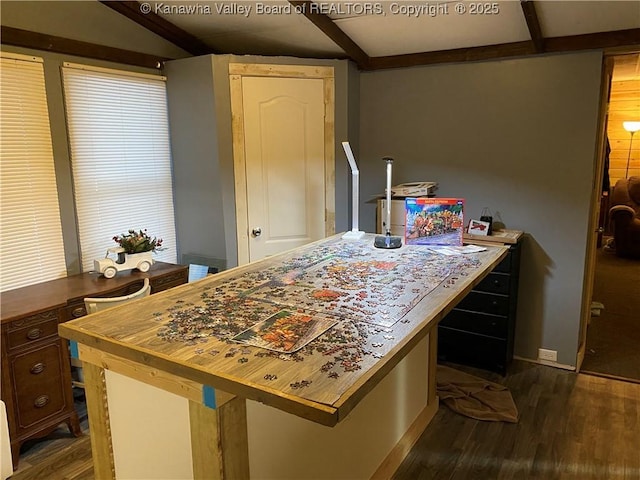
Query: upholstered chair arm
[{"x": 622, "y": 212}]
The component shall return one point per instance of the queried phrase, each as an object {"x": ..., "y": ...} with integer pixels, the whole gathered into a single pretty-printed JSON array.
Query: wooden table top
[{"x": 377, "y": 305}]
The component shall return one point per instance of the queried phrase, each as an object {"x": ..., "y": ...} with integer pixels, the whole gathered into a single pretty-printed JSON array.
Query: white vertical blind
[
  {"x": 120, "y": 156},
  {"x": 31, "y": 249}
]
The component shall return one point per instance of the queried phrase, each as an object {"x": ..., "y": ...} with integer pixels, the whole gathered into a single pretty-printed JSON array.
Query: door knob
[{"x": 256, "y": 232}]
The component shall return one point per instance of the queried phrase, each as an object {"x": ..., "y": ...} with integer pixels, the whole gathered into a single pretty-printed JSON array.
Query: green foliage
[{"x": 138, "y": 242}]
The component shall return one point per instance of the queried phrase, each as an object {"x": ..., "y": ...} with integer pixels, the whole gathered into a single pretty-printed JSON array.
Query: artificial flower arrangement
[
  {"x": 138, "y": 242},
  {"x": 134, "y": 251}
]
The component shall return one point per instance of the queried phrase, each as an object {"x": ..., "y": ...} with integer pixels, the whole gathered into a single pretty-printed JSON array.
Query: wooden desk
[
  {"x": 36, "y": 379},
  {"x": 180, "y": 342}
]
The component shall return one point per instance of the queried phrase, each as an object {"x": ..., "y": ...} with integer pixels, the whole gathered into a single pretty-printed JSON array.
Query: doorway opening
[{"x": 613, "y": 334}]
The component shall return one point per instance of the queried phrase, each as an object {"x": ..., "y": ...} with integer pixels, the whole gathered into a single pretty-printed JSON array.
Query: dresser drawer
[
  {"x": 482, "y": 323},
  {"x": 33, "y": 329},
  {"x": 505, "y": 265},
  {"x": 494, "y": 283},
  {"x": 485, "y": 303},
  {"x": 473, "y": 349},
  {"x": 39, "y": 389}
]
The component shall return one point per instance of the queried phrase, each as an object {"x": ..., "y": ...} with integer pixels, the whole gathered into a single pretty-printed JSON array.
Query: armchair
[{"x": 625, "y": 215}]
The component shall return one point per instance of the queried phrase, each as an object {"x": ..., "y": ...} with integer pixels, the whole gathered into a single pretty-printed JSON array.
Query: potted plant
[{"x": 134, "y": 251}]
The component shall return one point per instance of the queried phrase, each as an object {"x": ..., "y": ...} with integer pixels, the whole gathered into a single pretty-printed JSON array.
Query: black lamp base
[{"x": 387, "y": 241}]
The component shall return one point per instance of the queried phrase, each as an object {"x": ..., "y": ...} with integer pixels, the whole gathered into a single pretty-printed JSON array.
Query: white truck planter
[{"x": 111, "y": 265}]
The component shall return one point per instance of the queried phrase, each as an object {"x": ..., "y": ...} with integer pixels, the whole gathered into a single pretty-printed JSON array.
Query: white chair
[{"x": 94, "y": 305}]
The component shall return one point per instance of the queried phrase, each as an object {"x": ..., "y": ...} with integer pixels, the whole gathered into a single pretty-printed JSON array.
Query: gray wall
[
  {"x": 201, "y": 137},
  {"x": 196, "y": 170},
  {"x": 517, "y": 136}
]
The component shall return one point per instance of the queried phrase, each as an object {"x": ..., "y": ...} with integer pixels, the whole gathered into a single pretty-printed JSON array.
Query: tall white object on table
[
  {"x": 388, "y": 241},
  {"x": 5, "y": 445},
  {"x": 355, "y": 233}
]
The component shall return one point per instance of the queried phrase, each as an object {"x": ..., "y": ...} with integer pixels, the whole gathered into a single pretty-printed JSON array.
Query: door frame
[
  {"x": 596, "y": 194},
  {"x": 236, "y": 72}
]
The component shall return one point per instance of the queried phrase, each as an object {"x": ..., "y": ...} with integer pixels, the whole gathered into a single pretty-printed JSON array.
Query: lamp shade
[{"x": 631, "y": 126}]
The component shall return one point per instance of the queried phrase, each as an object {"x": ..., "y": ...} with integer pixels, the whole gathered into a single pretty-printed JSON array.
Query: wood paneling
[{"x": 624, "y": 105}]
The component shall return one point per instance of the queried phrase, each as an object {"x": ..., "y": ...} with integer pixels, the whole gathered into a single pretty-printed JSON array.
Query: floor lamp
[{"x": 631, "y": 127}]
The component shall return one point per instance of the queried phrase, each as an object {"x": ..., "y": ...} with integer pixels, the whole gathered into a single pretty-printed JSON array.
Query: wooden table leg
[
  {"x": 219, "y": 442},
  {"x": 433, "y": 367},
  {"x": 99, "y": 427}
]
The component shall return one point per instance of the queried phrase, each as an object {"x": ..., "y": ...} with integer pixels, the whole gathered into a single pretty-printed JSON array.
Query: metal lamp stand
[{"x": 388, "y": 241}]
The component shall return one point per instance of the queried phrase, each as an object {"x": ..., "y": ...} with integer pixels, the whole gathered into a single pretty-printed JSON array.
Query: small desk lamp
[
  {"x": 631, "y": 127},
  {"x": 354, "y": 234},
  {"x": 387, "y": 241}
]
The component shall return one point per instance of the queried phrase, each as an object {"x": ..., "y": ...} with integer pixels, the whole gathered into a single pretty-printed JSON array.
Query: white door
[{"x": 285, "y": 163}]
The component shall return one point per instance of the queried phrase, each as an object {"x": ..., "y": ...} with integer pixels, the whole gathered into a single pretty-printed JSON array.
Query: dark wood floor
[
  {"x": 571, "y": 426},
  {"x": 613, "y": 337}
]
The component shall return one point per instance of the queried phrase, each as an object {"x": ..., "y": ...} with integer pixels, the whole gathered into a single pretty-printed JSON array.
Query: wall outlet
[{"x": 549, "y": 355}]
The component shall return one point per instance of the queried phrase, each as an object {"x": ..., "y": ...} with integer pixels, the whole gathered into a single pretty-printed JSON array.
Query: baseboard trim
[
  {"x": 610, "y": 377},
  {"x": 547, "y": 363},
  {"x": 395, "y": 458}
]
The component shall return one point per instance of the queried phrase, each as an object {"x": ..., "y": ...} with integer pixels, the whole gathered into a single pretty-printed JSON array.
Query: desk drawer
[
  {"x": 482, "y": 323},
  {"x": 169, "y": 281},
  {"x": 31, "y": 330},
  {"x": 485, "y": 303},
  {"x": 39, "y": 389},
  {"x": 495, "y": 283}
]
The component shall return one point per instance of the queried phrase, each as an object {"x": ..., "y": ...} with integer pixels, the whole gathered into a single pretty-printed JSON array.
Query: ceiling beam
[
  {"x": 158, "y": 25},
  {"x": 331, "y": 30},
  {"x": 51, "y": 43},
  {"x": 533, "y": 24},
  {"x": 453, "y": 56},
  {"x": 627, "y": 39},
  {"x": 617, "y": 39}
]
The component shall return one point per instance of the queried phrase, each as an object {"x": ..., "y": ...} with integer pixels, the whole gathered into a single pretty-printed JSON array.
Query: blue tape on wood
[
  {"x": 209, "y": 396},
  {"x": 73, "y": 349}
]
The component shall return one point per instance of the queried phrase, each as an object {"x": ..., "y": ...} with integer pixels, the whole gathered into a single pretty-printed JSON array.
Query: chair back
[{"x": 97, "y": 304}]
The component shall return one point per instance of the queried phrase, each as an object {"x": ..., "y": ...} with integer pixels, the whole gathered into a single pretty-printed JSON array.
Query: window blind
[
  {"x": 120, "y": 155},
  {"x": 31, "y": 244}
]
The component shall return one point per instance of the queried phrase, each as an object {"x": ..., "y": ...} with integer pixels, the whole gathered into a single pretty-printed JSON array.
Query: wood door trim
[
  {"x": 590, "y": 260},
  {"x": 236, "y": 72},
  {"x": 289, "y": 71}
]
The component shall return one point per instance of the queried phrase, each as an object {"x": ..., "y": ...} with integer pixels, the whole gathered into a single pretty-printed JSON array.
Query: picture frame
[{"x": 478, "y": 227}]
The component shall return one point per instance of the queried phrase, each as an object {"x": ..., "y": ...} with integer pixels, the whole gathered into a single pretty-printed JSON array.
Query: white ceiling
[
  {"x": 392, "y": 30},
  {"x": 374, "y": 34}
]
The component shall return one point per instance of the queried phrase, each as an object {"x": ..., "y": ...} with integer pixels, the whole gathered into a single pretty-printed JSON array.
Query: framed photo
[
  {"x": 434, "y": 221},
  {"x": 478, "y": 227}
]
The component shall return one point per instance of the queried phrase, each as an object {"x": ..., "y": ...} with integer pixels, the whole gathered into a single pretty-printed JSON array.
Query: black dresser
[{"x": 479, "y": 331}]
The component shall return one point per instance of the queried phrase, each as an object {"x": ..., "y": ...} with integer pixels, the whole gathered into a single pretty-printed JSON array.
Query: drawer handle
[
  {"x": 37, "y": 368},
  {"x": 496, "y": 283},
  {"x": 78, "y": 312},
  {"x": 494, "y": 303},
  {"x": 34, "y": 333},
  {"x": 41, "y": 401}
]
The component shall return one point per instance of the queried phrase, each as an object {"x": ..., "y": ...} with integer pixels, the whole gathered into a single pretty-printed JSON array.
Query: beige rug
[{"x": 475, "y": 397}]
